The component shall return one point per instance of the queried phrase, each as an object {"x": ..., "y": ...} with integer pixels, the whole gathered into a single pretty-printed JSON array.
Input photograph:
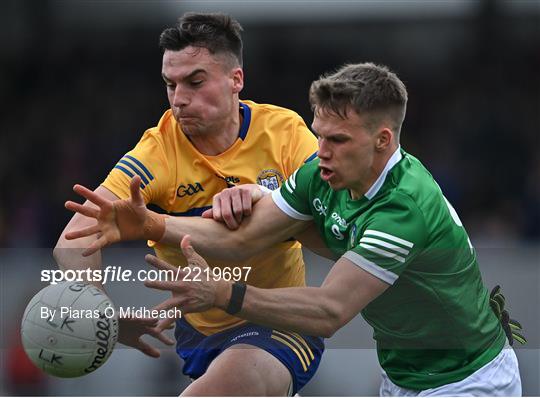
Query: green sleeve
[{"x": 293, "y": 196}]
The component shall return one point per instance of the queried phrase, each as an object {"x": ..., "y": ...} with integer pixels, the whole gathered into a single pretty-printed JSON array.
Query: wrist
[
  {"x": 238, "y": 292},
  {"x": 154, "y": 226},
  {"x": 223, "y": 294}
]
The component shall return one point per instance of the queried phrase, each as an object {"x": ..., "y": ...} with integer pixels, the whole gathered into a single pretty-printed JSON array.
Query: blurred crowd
[{"x": 74, "y": 101}]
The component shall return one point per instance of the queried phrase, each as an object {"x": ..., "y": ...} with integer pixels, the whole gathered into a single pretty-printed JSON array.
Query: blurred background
[{"x": 81, "y": 82}]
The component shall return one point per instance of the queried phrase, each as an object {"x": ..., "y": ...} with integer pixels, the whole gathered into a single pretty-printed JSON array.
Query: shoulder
[
  {"x": 411, "y": 179},
  {"x": 412, "y": 196},
  {"x": 163, "y": 132}
]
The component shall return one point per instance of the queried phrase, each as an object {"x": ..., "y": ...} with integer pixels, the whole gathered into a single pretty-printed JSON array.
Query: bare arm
[
  {"x": 129, "y": 219},
  {"x": 316, "y": 311},
  {"x": 266, "y": 226},
  {"x": 312, "y": 239}
]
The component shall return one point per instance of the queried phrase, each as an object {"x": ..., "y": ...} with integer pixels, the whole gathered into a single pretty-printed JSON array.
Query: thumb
[
  {"x": 208, "y": 214},
  {"x": 135, "y": 190},
  {"x": 256, "y": 195},
  {"x": 190, "y": 254}
]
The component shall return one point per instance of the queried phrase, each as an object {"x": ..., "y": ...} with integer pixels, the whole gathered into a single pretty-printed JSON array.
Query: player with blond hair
[{"x": 405, "y": 261}]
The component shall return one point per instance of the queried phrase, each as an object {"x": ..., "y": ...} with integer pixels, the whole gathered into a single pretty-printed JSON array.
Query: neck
[
  {"x": 221, "y": 138},
  {"x": 374, "y": 172}
]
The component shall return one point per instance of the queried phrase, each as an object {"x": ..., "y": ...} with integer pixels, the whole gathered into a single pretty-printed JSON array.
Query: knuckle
[
  {"x": 228, "y": 217},
  {"x": 232, "y": 224}
]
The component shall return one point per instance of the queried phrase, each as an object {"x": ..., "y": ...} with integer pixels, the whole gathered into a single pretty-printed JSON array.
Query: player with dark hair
[
  {"x": 405, "y": 260},
  {"x": 209, "y": 141}
]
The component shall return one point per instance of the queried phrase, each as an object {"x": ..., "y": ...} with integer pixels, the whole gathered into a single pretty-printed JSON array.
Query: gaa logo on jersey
[
  {"x": 189, "y": 189},
  {"x": 270, "y": 179}
]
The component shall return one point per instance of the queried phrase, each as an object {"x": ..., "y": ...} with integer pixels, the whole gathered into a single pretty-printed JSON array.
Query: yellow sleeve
[
  {"x": 303, "y": 146},
  {"x": 148, "y": 160}
]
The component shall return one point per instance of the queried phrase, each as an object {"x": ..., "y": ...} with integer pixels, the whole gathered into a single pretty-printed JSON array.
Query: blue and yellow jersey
[{"x": 178, "y": 180}]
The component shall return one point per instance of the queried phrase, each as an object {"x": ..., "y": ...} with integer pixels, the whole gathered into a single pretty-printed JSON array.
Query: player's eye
[
  {"x": 196, "y": 83},
  {"x": 170, "y": 86},
  {"x": 337, "y": 140}
]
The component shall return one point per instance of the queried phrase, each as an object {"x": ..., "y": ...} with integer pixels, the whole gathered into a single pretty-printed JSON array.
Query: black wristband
[{"x": 237, "y": 298}]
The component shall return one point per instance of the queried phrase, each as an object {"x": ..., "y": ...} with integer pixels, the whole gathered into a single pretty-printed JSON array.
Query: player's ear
[
  {"x": 384, "y": 138},
  {"x": 237, "y": 80}
]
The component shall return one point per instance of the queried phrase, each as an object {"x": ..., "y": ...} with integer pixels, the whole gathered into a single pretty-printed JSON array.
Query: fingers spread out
[
  {"x": 92, "y": 196},
  {"x": 81, "y": 233},
  {"x": 159, "y": 263},
  {"x": 166, "y": 323},
  {"x": 147, "y": 349},
  {"x": 156, "y": 333},
  {"x": 163, "y": 285},
  {"x": 87, "y": 211},
  {"x": 171, "y": 303},
  {"x": 94, "y": 247},
  {"x": 141, "y": 321}
]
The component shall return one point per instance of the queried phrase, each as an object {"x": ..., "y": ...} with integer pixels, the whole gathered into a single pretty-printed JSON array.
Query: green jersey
[{"x": 433, "y": 325}]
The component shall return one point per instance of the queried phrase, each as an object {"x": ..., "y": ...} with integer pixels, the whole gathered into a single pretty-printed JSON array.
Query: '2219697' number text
[{"x": 235, "y": 274}]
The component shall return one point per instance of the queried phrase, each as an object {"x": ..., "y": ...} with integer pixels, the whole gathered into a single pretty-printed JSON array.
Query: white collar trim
[{"x": 394, "y": 159}]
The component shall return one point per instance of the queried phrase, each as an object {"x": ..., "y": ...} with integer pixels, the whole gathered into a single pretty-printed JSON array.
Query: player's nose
[
  {"x": 180, "y": 98},
  {"x": 323, "y": 152}
]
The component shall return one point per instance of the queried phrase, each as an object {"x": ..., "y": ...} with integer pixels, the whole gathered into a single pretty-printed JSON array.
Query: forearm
[
  {"x": 68, "y": 255},
  {"x": 306, "y": 310},
  {"x": 210, "y": 238},
  {"x": 266, "y": 226},
  {"x": 320, "y": 311}
]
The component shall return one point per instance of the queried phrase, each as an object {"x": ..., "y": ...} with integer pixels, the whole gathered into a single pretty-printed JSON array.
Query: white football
[{"x": 69, "y": 329}]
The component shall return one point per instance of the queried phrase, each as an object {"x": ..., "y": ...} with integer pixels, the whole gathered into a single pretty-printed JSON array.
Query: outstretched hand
[
  {"x": 189, "y": 294},
  {"x": 132, "y": 329},
  {"x": 118, "y": 220}
]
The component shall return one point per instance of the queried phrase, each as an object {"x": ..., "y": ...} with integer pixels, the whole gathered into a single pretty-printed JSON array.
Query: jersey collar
[
  {"x": 394, "y": 159},
  {"x": 246, "y": 113}
]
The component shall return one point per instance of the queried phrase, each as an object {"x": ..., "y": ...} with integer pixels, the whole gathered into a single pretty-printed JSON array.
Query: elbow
[
  {"x": 334, "y": 320},
  {"x": 330, "y": 328},
  {"x": 326, "y": 332},
  {"x": 57, "y": 251}
]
